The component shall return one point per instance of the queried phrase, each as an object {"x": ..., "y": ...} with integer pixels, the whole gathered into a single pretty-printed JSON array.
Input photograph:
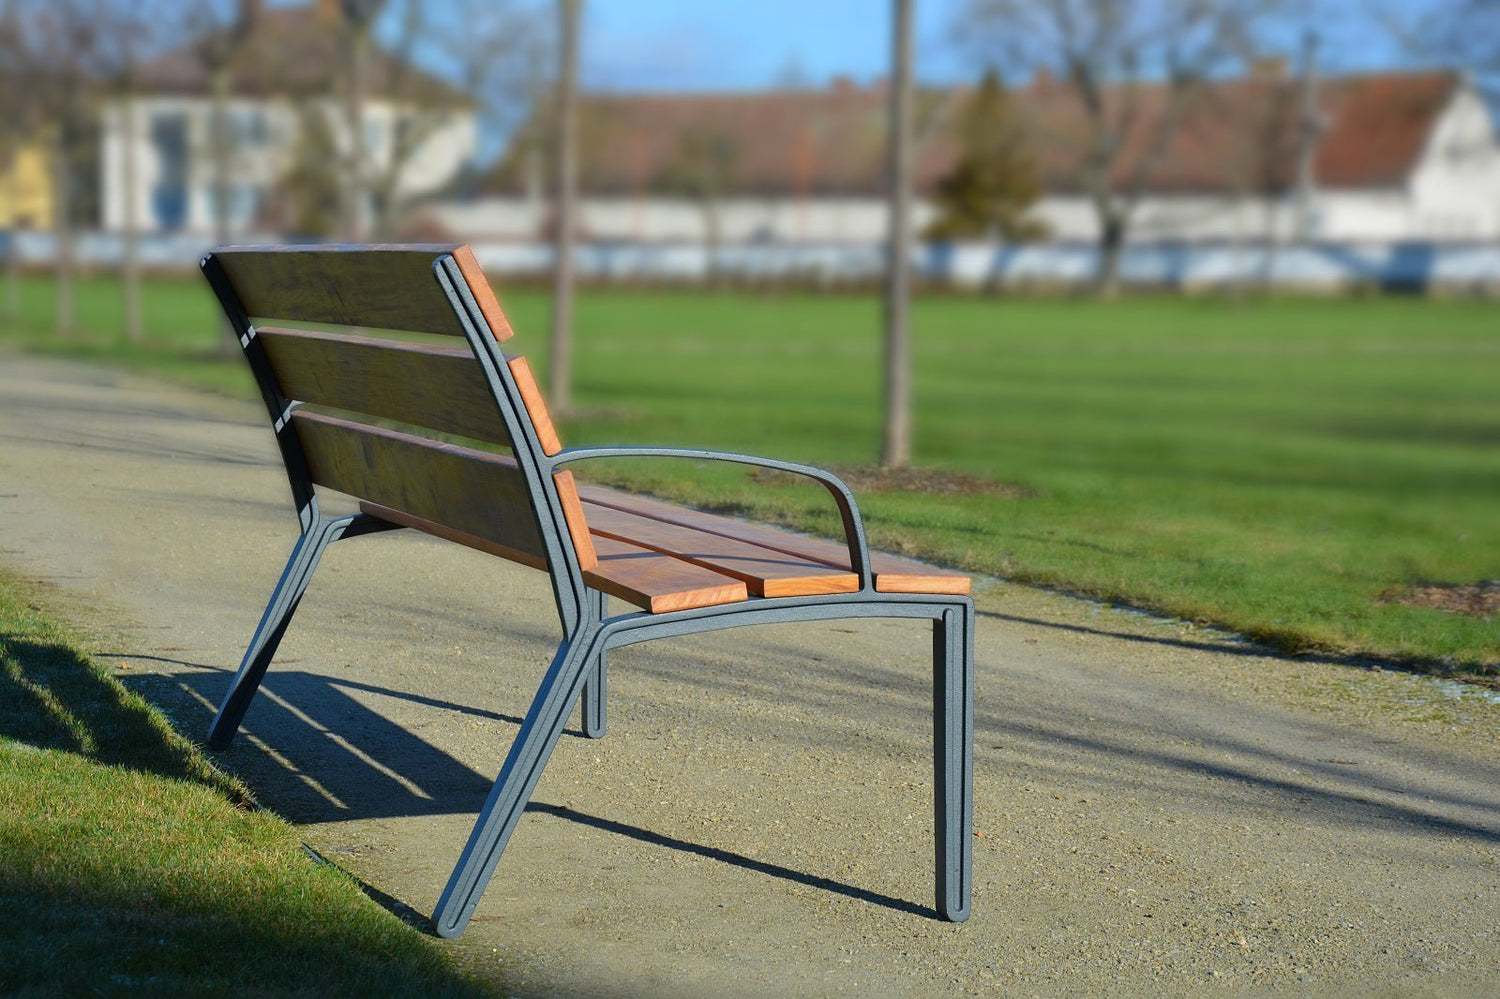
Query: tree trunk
[
  {"x": 62, "y": 227},
  {"x": 895, "y": 449},
  {"x": 560, "y": 366},
  {"x": 219, "y": 157},
  {"x": 13, "y": 250},
  {"x": 354, "y": 207},
  {"x": 130, "y": 263},
  {"x": 1111, "y": 242},
  {"x": 712, "y": 237}
]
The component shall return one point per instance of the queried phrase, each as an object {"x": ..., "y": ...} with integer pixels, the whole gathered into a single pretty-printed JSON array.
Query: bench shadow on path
[
  {"x": 315, "y": 754},
  {"x": 317, "y": 749}
]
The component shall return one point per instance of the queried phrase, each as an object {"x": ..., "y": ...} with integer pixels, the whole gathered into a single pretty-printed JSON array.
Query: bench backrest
[{"x": 371, "y": 407}]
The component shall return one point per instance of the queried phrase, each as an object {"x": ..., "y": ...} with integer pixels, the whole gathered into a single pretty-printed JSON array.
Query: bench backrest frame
[{"x": 473, "y": 309}]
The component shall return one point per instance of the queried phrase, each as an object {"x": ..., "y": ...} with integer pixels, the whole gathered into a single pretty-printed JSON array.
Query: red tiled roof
[{"x": 1233, "y": 134}]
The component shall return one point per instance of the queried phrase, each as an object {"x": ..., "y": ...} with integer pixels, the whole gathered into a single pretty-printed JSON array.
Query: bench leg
[
  {"x": 595, "y": 678},
  {"x": 523, "y": 767},
  {"x": 953, "y": 758},
  {"x": 273, "y": 625}
]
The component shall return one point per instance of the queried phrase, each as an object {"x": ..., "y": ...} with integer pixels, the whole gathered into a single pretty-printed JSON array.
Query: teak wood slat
[
  {"x": 656, "y": 582},
  {"x": 578, "y": 527},
  {"x": 891, "y": 574},
  {"x": 473, "y": 492},
  {"x": 536, "y": 408},
  {"x": 449, "y": 534},
  {"x": 437, "y": 386},
  {"x": 766, "y": 573},
  {"x": 394, "y": 288}
]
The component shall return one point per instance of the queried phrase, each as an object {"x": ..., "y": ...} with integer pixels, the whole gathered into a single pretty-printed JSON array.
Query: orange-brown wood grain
[
  {"x": 578, "y": 528},
  {"x": 483, "y": 294},
  {"x": 536, "y": 406},
  {"x": 656, "y": 582},
  {"x": 766, "y": 573},
  {"x": 891, "y": 573}
]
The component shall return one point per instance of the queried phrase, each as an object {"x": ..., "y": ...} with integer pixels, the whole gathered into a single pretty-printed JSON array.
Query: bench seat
[
  {"x": 663, "y": 557},
  {"x": 804, "y": 561}
]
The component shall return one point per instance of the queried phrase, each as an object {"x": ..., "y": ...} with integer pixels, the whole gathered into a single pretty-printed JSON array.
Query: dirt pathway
[{"x": 1160, "y": 806}]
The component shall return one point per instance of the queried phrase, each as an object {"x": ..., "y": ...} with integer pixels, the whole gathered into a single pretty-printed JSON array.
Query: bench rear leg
[
  {"x": 953, "y": 758},
  {"x": 273, "y": 624},
  {"x": 595, "y": 679},
  {"x": 512, "y": 789}
]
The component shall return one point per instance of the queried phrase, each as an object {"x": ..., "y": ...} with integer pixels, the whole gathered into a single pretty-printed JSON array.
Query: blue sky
[
  {"x": 706, "y": 45},
  {"x": 681, "y": 44}
]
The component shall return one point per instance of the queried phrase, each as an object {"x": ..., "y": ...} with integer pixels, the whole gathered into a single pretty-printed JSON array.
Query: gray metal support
[
  {"x": 953, "y": 758},
  {"x": 273, "y": 624},
  {"x": 596, "y": 678},
  {"x": 512, "y": 789}
]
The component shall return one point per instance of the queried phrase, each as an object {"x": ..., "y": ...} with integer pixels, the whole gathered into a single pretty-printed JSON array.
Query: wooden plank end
[
  {"x": 536, "y": 407},
  {"x": 483, "y": 294},
  {"x": 578, "y": 525},
  {"x": 807, "y": 586},
  {"x": 905, "y": 582}
]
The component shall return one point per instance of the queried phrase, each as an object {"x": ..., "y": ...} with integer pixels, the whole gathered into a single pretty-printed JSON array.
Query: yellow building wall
[{"x": 25, "y": 189}]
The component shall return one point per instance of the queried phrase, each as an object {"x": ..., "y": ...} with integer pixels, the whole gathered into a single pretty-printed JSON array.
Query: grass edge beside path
[{"x": 128, "y": 861}]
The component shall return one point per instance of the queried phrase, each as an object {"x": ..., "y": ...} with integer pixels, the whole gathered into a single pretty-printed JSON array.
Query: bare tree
[
  {"x": 359, "y": 16},
  {"x": 1131, "y": 66},
  {"x": 18, "y": 126},
  {"x": 1463, "y": 31},
  {"x": 50, "y": 46},
  {"x": 560, "y": 357},
  {"x": 128, "y": 29},
  {"x": 480, "y": 51},
  {"x": 895, "y": 451}
]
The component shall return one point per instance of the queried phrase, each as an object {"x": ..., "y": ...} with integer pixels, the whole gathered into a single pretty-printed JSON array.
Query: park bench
[{"x": 382, "y": 371}]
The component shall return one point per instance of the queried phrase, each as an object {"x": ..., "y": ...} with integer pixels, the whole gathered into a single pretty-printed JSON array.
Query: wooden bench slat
[
  {"x": 536, "y": 408},
  {"x": 766, "y": 573},
  {"x": 891, "y": 573},
  {"x": 656, "y": 582},
  {"x": 449, "y": 534},
  {"x": 436, "y": 386},
  {"x": 472, "y": 492},
  {"x": 387, "y": 287}
]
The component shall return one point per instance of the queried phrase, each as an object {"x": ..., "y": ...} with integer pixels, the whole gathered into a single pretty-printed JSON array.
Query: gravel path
[{"x": 1159, "y": 807}]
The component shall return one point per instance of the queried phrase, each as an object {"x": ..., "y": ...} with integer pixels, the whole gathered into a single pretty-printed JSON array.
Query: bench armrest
[{"x": 854, "y": 528}]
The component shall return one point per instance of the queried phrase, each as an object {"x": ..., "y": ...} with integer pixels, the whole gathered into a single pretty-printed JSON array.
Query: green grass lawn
[
  {"x": 128, "y": 864},
  {"x": 1281, "y": 467}
]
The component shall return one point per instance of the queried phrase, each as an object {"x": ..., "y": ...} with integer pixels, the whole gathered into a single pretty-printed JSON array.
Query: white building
[
  {"x": 419, "y": 132},
  {"x": 1399, "y": 157}
]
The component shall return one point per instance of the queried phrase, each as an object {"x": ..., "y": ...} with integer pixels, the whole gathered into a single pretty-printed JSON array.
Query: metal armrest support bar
[{"x": 854, "y": 529}]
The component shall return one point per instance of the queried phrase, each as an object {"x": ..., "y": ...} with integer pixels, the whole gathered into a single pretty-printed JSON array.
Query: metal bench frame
[{"x": 578, "y": 669}]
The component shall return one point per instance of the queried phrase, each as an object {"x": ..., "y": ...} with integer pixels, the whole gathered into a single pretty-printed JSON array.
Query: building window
[
  {"x": 246, "y": 128},
  {"x": 169, "y": 201}
]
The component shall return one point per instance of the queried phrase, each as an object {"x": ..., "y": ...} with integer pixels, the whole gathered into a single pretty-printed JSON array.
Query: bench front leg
[
  {"x": 595, "y": 678},
  {"x": 953, "y": 757},
  {"x": 512, "y": 789}
]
